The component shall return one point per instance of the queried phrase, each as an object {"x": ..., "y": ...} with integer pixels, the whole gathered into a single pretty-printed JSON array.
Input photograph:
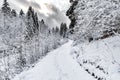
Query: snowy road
[{"x": 58, "y": 65}]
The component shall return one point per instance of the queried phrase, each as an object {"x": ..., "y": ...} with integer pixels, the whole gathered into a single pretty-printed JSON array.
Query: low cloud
[
  {"x": 53, "y": 19},
  {"x": 57, "y": 17},
  {"x": 29, "y": 3}
]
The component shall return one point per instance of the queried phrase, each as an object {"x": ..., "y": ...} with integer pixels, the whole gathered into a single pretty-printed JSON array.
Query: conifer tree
[
  {"x": 36, "y": 22},
  {"x": 56, "y": 29},
  {"x": 5, "y": 8},
  {"x": 42, "y": 21},
  {"x": 13, "y": 13},
  {"x": 30, "y": 23},
  {"x": 43, "y": 27},
  {"x": 70, "y": 13},
  {"x": 63, "y": 29},
  {"x": 21, "y": 13},
  {"x": 53, "y": 30}
]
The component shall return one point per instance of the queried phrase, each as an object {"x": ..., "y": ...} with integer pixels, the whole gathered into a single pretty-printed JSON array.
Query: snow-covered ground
[
  {"x": 58, "y": 65},
  {"x": 101, "y": 59},
  {"x": 98, "y": 60}
]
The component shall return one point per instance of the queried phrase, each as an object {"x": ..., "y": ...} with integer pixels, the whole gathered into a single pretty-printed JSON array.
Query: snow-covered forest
[
  {"x": 24, "y": 39},
  {"x": 87, "y": 49},
  {"x": 94, "y": 19}
]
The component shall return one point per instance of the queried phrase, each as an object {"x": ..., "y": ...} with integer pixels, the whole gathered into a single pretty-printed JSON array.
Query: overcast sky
[{"x": 52, "y": 11}]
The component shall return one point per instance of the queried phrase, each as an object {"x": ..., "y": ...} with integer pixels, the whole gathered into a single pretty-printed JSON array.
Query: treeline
[{"x": 32, "y": 20}]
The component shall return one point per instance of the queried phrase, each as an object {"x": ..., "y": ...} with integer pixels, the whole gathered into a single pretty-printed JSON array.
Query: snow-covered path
[{"x": 58, "y": 65}]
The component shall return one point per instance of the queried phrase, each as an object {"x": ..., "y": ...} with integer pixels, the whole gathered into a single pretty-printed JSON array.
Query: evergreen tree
[
  {"x": 42, "y": 21},
  {"x": 30, "y": 23},
  {"x": 5, "y": 8},
  {"x": 70, "y": 13},
  {"x": 63, "y": 29},
  {"x": 56, "y": 29},
  {"x": 43, "y": 27},
  {"x": 53, "y": 30},
  {"x": 36, "y": 22},
  {"x": 13, "y": 13},
  {"x": 21, "y": 13},
  {"x": 30, "y": 13}
]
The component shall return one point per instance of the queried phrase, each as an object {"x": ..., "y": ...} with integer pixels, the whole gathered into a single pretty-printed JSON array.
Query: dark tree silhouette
[
  {"x": 21, "y": 13},
  {"x": 63, "y": 29},
  {"x": 32, "y": 22},
  {"x": 70, "y": 13},
  {"x": 13, "y": 13},
  {"x": 5, "y": 8}
]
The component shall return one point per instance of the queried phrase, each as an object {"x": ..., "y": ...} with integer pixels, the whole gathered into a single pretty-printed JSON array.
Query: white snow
[
  {"x": 58, "y": 65},
  {"x": 86, "y": 61},
  {"x": 101, "y": 58}
]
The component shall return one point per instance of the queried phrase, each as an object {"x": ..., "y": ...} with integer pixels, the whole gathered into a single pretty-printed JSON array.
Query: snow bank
[{"x": 101, "y": 59}]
